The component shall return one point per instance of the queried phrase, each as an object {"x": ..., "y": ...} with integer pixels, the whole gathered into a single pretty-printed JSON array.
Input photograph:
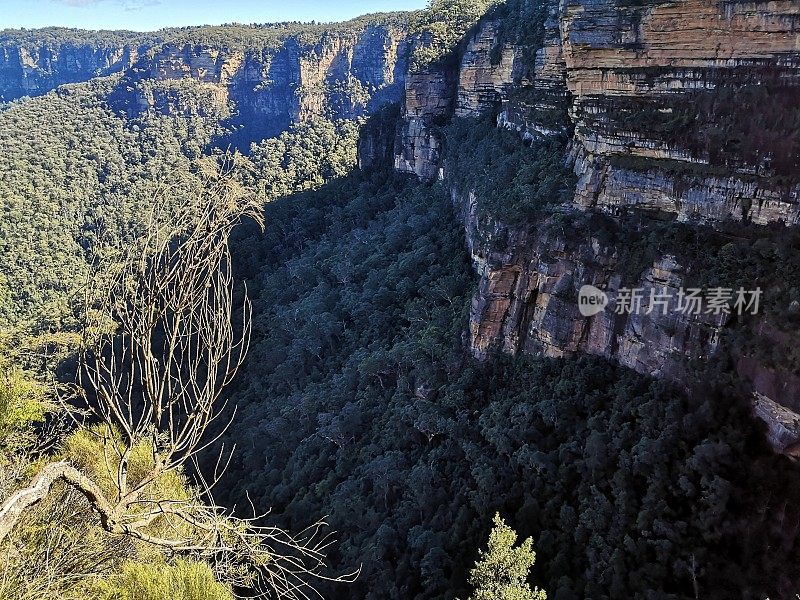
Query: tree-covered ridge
[
  {"x": 270, "y": 36},
  {"x": 439, "y": 27},
  {"x": 230, "y": 36},
  {"x": 92, "y": 173},
  {"x": 63, "y": 186},
  {"x": 68, "y": 36}
]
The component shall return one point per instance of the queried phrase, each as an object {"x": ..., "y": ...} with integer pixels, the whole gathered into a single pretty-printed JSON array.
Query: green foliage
[
  {"x": 58, "y": 550},
  {"x": 89, "y": 175},
  {"x": 93, "y": 176},
  {"x": 183, "y": 580},
  {"x": 270, "y": 36},
  {"x": 230, "y": 36},
  {"x": 441, "y": 26},
  {"x": 302, "y": 158},
  {"x": 512, "y": 181},
  {"x": 92, "y": 451},
  {"x": 358, "y": 403},
  {"x": 502, "y": 569},
  {"x": 24, "y": 403}
]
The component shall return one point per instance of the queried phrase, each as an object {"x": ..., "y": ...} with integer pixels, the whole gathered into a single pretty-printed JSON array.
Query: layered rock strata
[
  {"x": 30, "y": 70},
  {"x": 345, "y": 72},
  {"x": 683, "y": 109},
  {"x": 344, "y": 75}
]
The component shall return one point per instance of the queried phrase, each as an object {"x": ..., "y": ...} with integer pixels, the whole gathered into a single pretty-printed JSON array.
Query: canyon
[
  {"x": 666, "y": 109},
  {"x": 683, "y": 111},
  {"x": 266, "y": 78}
]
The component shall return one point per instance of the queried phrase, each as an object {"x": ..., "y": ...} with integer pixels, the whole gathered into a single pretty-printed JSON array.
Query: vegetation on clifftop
[
  {"x": 230, "y": 36},
  {"x": 513, "y": 180},
  {"x": 440, "y": 27}
]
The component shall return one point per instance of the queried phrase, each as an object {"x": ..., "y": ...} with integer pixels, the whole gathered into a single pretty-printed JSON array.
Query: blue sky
[{"x": 147, "y": 15}]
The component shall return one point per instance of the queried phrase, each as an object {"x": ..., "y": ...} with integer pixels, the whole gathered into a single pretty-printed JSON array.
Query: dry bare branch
[{"x": 160, "y": 343}]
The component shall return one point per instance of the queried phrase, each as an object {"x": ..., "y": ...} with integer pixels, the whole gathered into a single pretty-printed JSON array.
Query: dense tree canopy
[
  {"x": 359, "y": 399},
  {"x": 440, "y": 27},
  {"x": 92, "y": 173},
  {"x": 72, "y": 171},
  {"x": 359, "y": 403},
  {"x": 230, "y": 36}
]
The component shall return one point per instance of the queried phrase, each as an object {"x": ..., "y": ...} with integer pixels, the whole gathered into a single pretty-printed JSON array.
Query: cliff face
[
  {"x": 34, "y": 70},
  {"x": 266, "y": 82},
  {"x": 675, "y": 106},
  {"x": 527, "y": 301},
  {"x": 685, "y": 110},
  {"x": 343, "y": 75},
  {"x": 428, "y": 100}
]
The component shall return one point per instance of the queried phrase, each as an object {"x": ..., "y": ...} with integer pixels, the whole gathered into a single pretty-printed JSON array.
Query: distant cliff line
[{"x": 35, "y": 61}]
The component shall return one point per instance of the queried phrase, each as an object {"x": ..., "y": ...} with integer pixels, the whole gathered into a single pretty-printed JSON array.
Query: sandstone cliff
[
  {"x": 675, "y": 106},
  {"x": 684, "y": 110},
  {"x": 33, "y": 67},
  {"x": 267, "y": 76},
  {"x": 340, "y": 75}
]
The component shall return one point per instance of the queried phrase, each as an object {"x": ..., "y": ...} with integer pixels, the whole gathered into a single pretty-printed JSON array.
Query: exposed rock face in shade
[
  {"x": 429, "y": 98},
  {"x": 527, "y": 300},
  {"x": 34, "y": 70},
  {"x": 376, "y": 140},
  {"x": 524, "y": 86},
  {"x": 344, "y": 75},
  {"x": 607, "y": 186},
  {"x": 783, "y": 425},
  {"x": 650, "y": 93}
]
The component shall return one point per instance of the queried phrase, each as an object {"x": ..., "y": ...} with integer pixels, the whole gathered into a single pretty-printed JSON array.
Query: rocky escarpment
[
  {"x": 34, "y": 67},
  {"x": 527, "y": 300},
  {"x": 684, "y": 111},
  {"x": 267, "y": 77},
  {"x": 689, "y": 106},
  {"x": 428, "y": 101},
  {"x": 342, "y": 75}
]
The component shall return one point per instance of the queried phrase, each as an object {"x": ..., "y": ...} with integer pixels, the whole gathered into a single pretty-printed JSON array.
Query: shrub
[{"x": 184, "y": 580}]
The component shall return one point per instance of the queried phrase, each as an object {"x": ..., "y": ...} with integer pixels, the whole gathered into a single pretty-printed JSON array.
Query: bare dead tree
[{"x": 160, "y": 344}]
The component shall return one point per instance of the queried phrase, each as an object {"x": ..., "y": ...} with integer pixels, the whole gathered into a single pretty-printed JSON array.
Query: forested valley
[
  {"x": 339, "y": 387},
  {"x": 359, "y": 403}
]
